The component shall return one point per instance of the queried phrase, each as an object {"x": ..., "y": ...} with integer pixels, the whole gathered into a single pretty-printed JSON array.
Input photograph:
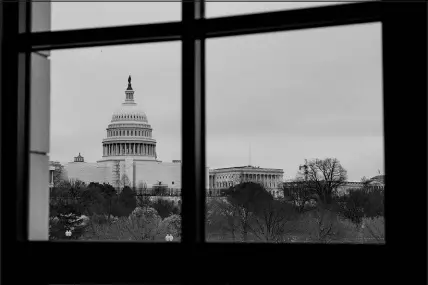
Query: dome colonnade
[{"x": 129, "y": 133}]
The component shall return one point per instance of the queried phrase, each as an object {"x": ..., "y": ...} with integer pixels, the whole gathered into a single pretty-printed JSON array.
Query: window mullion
[{"x": 193, "y": 130}]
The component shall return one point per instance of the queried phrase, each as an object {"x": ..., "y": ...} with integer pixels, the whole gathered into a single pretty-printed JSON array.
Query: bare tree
[
  {"x": 142, "y": 199},
  {"x": 324, "y": 176},
  {"x": 298, "y": 193},
  {"x": 271, "y": 221},
  {"x": 58, "y": 173},
  {"x": 224, "y": 213},
  {"x": 325, "y": 230},
  {"x": 248, "y": 198},
  {"x": 142, "y": 186},
  {"x": 375, "y": 227}
]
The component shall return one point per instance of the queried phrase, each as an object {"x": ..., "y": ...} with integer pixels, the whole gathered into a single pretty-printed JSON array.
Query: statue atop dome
[{"x": 129, "y": 83}]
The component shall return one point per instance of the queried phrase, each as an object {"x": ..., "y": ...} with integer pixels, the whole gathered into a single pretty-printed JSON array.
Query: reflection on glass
[
  {"x": 115, "y": 169},
  {"x": 232, "y": 8},
  {"x": 87, "y": 14},
  {"x": 295, "y": 137}
]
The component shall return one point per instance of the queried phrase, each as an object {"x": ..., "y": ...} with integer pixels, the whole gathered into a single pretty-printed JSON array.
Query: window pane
[
  {"x": 86, "y": 14},
  {"x": 107, "y": 183},
  {"x": 233, "y": 8},
  {"x": 295, "y": 136}
]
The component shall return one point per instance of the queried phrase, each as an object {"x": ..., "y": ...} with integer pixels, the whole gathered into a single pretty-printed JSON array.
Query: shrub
[
  {"x": 171, "y": 225},
  {"x": 127, "y": 200},
  {"x": 64, "y": 222},
  {"x": 141, "y": 224},
  {"x": 165, "y": 208}
]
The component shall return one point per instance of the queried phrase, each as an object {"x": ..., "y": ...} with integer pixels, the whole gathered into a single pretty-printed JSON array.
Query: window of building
[{"x": 27, "y": 222}]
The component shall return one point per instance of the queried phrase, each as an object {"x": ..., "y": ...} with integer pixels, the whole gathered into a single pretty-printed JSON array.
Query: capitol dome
[
  {"x": 129, "y": 112},
  {"x": 129, "y": 134}
]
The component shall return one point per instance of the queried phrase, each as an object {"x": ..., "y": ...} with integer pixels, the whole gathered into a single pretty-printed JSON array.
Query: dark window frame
[{"x": 17, "y": 44}]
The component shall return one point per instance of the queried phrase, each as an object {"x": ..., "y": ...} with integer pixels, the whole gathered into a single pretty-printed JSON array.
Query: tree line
[{"x": 311, "y": 203}]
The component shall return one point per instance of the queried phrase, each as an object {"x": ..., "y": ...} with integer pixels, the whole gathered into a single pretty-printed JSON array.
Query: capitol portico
[{"x": 222, "y": 178}]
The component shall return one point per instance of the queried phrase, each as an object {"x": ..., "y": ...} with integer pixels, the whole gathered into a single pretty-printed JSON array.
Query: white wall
[
  {"x": 88, "y": 172},
  {"x": 151, "y": 172}
]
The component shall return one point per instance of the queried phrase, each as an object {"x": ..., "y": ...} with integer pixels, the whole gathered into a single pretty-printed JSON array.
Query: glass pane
[
  {"x": 86, "y": 14},
  {"x": 233, "y": 8},
  {"x": 295, "y": 136},
  {"x": 115, "y": 143}
]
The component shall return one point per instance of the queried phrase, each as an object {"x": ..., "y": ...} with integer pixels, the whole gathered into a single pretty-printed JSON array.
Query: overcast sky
[{"x": 291, "y": 95}]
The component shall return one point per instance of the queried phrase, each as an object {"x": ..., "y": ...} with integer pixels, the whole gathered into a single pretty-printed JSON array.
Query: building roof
[
  {"x": 378, "y": 178},
  {"x": 248, "y": 167}
]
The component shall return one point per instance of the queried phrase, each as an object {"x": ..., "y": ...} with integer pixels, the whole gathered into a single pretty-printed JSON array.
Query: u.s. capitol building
[
  {"x": 128, "y": 153},
  {"x": 129, "y": 157}
]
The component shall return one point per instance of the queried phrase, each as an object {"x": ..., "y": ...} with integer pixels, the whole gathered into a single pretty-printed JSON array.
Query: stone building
[
  {"x": 222, "y": 178},
  {"x": 129, "y": 154},
  {"x": 376, "y": 182}
]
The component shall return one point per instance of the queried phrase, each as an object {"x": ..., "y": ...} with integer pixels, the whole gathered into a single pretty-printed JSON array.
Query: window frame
[{"x": 17, "y": 45}]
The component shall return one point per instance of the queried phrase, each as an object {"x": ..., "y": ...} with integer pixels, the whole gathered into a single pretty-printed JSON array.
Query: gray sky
[{"x": 293, "y": 95}]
